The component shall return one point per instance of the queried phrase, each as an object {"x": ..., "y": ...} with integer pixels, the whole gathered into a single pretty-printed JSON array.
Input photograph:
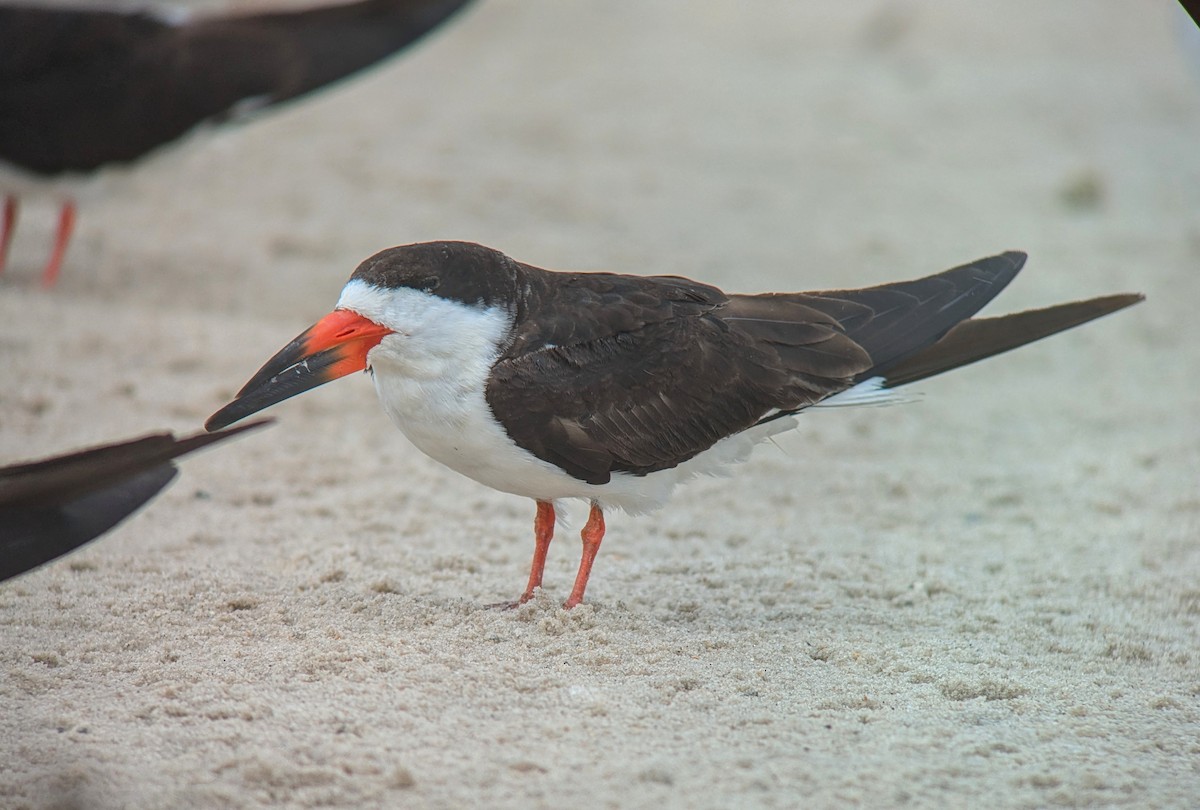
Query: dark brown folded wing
[{"x": 620, "y": 373}]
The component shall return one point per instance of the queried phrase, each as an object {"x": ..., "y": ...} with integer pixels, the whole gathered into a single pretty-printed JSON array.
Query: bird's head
[{"x": 400, "y": 305}]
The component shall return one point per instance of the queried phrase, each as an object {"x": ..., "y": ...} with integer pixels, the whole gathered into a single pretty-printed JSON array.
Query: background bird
[
  {"x": 51, "y": 507},
  {"x": 80, "y": 89},
  {"x": 614, "y": 388}
]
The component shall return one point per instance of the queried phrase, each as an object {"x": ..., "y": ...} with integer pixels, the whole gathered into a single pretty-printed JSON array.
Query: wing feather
[{"x": 609, "y": 373}]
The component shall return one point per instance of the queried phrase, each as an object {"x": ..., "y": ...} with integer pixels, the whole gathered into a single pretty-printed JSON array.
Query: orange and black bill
[{"x": 333, "y": 347}]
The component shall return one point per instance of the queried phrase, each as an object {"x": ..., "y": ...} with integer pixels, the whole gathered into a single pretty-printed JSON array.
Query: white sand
[{"x": 990, "y": 597}]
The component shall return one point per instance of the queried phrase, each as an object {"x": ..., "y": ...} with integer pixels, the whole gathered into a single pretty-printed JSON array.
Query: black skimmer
[
  {"x": 81, "y": 88},
  {"x": 51, "y": 507},
  {"x": 614, "y": 388}
]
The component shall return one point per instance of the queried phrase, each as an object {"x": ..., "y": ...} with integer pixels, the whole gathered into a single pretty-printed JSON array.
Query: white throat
[
  {"x": 431, "y": 377},
  {"x": 437, "y": 343}
]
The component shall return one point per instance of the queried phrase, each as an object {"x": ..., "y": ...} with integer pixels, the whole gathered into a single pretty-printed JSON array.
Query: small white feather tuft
[
  {"x": 868, "y": 392},
  {"x": 174, "y": 16}
]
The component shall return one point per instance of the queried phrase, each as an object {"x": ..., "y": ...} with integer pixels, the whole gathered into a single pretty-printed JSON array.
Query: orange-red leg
[
  {"x": 543, "y": 533},
  {"x": 7, "y": 226},
  {"x": 592, "y": 534},
  {"x": 66, "y": 224}
]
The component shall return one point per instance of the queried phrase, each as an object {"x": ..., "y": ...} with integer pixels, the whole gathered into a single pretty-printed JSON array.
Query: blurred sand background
[{"x": 989, "y": 597}]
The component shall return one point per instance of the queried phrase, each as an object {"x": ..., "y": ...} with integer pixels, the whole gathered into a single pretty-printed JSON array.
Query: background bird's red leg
[
  {"x": 592, "y": 534},
  {"x": 7, "y": 226},
  {"x": 66, "y": 224}
]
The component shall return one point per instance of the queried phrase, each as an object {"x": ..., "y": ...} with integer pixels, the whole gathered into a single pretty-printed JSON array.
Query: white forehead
[
  {"x": 375, "y": 303},
  {"x": 407, "y": 311}
]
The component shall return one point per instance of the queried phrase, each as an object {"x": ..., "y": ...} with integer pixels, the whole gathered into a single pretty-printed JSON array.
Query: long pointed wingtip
[
  {"x": 1122, "y": 300},
  {"x": 980, "y": 338},
  {"x": 197, "y": 440}
]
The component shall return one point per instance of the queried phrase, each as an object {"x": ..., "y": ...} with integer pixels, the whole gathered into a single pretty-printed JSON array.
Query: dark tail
[
  {"x": 323, "y": 44},
  {"x": 980, "y": 338}
]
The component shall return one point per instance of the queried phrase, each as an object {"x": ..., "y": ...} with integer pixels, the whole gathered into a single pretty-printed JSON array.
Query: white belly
[{"x": 456, "y": 428}]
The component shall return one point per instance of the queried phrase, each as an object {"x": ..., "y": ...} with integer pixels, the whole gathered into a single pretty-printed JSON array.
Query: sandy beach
[{"x": 987, "y": 597}]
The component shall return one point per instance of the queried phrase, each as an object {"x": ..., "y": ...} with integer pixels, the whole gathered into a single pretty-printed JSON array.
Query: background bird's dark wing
[
  {"x": 36, "y": 41},
  {"x": 80, "y": 88},
  {"x": 330, "y": 42},
  {"x": 618, "y": 373},
  {"x": 30, "y": 537},
  {"x": 53, "y": 506}
]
